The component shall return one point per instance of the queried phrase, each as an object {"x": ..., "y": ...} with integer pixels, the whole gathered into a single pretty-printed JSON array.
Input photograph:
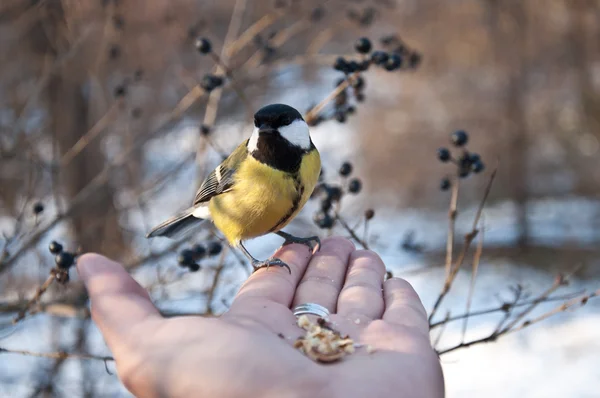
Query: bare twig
[
  {"x": 36, "y": 297},
  {"x": 55, "y": 355},
  {"x": 350, "y": 231},
  {"x": 475, "y": 267},
  {"x": 467, "y": 244},
  {"x": 504, "y": 307},
  {"x": 452, "y": 214}
]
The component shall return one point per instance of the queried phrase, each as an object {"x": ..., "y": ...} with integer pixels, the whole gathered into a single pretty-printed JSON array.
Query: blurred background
[{"x": 102, "y": 109}]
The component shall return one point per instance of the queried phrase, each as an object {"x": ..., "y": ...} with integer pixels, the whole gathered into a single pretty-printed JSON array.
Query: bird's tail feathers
[{"x": 178, "y": 225}]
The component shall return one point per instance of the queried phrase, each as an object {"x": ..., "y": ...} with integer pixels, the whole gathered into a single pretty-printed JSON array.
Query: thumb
[{"x": 118, "y": 302}]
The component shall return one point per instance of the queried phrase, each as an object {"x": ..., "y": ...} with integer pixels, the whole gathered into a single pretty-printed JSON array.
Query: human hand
[{"x": 240, "y": 354}]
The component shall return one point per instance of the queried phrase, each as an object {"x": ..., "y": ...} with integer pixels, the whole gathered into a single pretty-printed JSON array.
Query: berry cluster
[
  {"x": 64, "y": 261},
  {"x": 331, "y": 194},
  {"x": 189, "y": 258},
  {"x": 353, "y": 68},
  {"x": 466, "y": 162}
]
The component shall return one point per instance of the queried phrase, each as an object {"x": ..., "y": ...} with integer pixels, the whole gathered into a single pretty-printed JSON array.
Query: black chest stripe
[
  {"x": 295, "y": 203},
  {"x": 277, "y": 152}
]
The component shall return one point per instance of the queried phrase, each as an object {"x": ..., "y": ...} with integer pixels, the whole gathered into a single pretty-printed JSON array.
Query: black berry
[
  {"x": 379, "y": 57},
  {"x": 340, "y": 65},
  {"x": 414, "y": 60},
  {"x": 340, "y": 116},
  {"x": 474, "y": 157},
  {"x": 204, "y": 129},
  {"x": 55, "y": 247},
  {"x": 360, "y": 97},
  {"x": 464, "y": 172},
  {"x": 363, "y": 45},
  {"x": 346, "y": 169},
  {"x": 64, "y": 260},
  {"x": 334, "y": 193},
  {"x": 445, "y": 184},
  {"x": 364, "y": 65},
  {"x": 120, "y": 91},
  {"x": 443, "y": 154},
  {"x": 354, "y": 186},
  {"x": 214, "y": 248},
  {"x": 358, "y": 83},
  {"x": 203, "y": 45},
  {"x": 477, "y": 166},
  {"x": 323, "y": 220},
  {"x": 393, "y": 63},
  {"x": 210, "y": 82},
  {"x": 350, "y": 110},
  {"x": 352, "y": 67},
  {"x": 185, "y": 258},
  {"x": 194, "y": 267},
  {"x": 38, "y": 208},
  {"x": 459, "y": 138},
  {"x": 369, "y": 214},
  {"x": 199, "y": 251}
]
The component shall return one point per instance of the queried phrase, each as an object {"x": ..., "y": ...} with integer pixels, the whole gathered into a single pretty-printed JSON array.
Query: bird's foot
[
  {"x": 312, "y": 242},
  {"x": 257, "y": 264}
]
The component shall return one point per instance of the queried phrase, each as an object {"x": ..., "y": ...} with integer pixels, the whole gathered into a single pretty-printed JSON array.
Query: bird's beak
[{"x": 265, "y": 129}]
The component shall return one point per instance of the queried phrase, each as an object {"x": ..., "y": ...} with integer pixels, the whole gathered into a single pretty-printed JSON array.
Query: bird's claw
[
  {"x": 270, "y": 262},
  {"x": 304, "y": 241}
]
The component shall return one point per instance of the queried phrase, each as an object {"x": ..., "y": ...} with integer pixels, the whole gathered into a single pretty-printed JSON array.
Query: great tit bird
[{"x": 260, "y": 187}]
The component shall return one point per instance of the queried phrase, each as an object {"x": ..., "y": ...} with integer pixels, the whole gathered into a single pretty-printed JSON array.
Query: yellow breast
[{"x": 263, "y": 199}]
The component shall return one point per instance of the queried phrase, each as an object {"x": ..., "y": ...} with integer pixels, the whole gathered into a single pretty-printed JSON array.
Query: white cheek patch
[
  {"x": 253, "y": 141},
  {"x": 297, "y": 133}
]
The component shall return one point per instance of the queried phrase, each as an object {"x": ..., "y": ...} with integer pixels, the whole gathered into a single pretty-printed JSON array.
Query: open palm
[{"x": 247, "y": 352}]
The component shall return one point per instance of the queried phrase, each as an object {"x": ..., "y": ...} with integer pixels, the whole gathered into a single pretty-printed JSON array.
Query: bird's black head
[
  {"x": 280, "y": 137},
  {"x": 275, "y": 116}
]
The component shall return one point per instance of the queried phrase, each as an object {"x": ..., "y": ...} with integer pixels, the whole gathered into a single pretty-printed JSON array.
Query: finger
[
  {"x": 118, "y": 302},
  {"x": 403, "y": 306},
  {"x": 361, "y": 297},
  {"x": 276, "y": 284},
  {"x": 324, "y": 277}
]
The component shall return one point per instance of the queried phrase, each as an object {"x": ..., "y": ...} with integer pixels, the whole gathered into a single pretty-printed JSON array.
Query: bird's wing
[{"x": 221, "y": 179}]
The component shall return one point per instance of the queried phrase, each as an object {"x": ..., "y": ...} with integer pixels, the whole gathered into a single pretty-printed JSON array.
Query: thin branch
[
  {"x": 452, "y": 214},
  {"x": 351, "y": 231},
  {"x": 476, "y": 260},
  {"x": 56, "y": 355},
  {"x": 36, "y": 297},
  {"x": 467, "y": 244}
]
